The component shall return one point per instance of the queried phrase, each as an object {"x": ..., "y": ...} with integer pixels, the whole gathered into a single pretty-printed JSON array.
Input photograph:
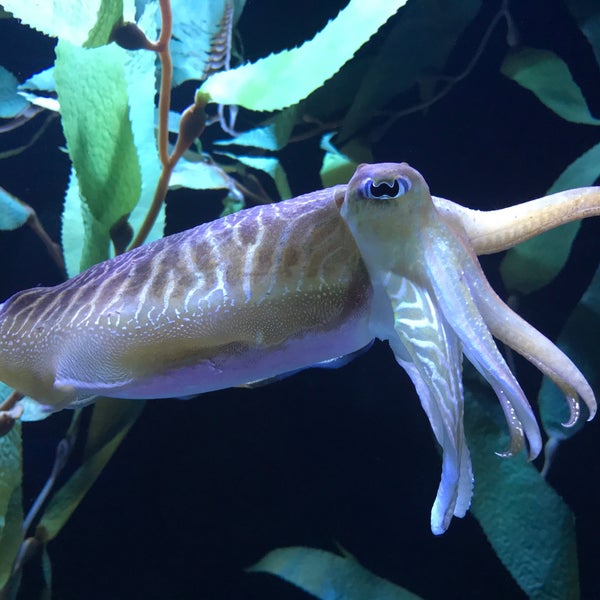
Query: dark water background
[{"x": 201, "y": 489}]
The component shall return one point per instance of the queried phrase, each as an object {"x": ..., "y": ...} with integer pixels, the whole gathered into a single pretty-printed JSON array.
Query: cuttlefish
[{"x": 281, "y": 287}]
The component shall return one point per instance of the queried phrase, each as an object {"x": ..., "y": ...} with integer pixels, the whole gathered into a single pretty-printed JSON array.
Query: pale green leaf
[
  {"x": 339, "y": 165},
  {"x": 111, "y": 421},
  {"x": 287, "y": 77},
  {"x": 529, "y": 526},
  {"x": 274, "y": 135},
  {"x": 80, "y": 22},
  {"x": 13, "y": 212},
  {"x": 198, "y": 175},
  {"x": 533, "y": 264},
  {"x": 412, "y": 35},
  {"x": 579, "y": 341},
  {"x": 328, "y": 576},
  {"x": 548, "y": 77},
  {"x": 11, "y": 104}
]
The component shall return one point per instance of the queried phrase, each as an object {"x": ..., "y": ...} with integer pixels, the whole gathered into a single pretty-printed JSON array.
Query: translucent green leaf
[
  {"x": 534, "y": 263},
  {"x": 328, "y": 576},
  {"x": 579, "y": 341},
  {"x": 11, "y": 104},
  {"x": 548, "y": 77},
  {"x": 388, "y": 76},
  {"x": 13, "y": 212},
  {"x": 11, "y": 513},
  {"x": 339, "y": 165},
  {"x": 529, "y": 526},
  {"x": 111, "y": 421},
  {"x": 82, "y": 23},
  {"x": 274, "y": 135},
  {"x": 287, "y": 77}
]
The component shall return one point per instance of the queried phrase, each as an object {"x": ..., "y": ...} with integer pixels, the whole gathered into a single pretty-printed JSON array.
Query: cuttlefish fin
[{"x": 427, "y": 348}]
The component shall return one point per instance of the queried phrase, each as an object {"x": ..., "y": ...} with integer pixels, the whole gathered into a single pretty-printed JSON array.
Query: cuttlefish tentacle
[
  {"x": 426, "y": 346},
  {"x": 496, "y": 230},
  {"x": 537, "y": 349},
  {"x": 455, "y": 295}
]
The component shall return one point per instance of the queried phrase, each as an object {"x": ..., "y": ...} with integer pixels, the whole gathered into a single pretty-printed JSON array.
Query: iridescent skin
[{"x": 278, "y": 288}]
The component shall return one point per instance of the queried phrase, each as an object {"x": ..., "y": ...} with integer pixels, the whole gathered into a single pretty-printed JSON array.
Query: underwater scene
[{"x": 345, "y": 345}]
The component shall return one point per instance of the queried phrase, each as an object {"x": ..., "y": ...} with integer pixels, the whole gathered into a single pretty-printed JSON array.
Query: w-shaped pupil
[{"x": 398, "y": 187}]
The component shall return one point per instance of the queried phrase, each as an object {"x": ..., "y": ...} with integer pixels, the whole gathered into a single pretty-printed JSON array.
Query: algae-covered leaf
[
  {"x": 527, "y": 523},
  {"x": 11, "y": 104},
  {"x": 579, "y": 341},
  {"x": 548, "y": 77},
  {"x": 11, "y": 513},
  {"x": 327, "y": 575},
  {"x": 13, "y": 212},
  {"x": 285, "y": 78},
  {"x": 83, "y": 23},
  {"x": 533, "y": 264},
  {"x": 111, "y": 421},
  {"x": 390, "y": 73}
]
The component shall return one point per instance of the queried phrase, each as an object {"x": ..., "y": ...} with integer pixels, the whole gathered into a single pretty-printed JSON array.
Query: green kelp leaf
[
  {"x": 274, "y": 135},
  {"x": 93, "y": 94},
  {"x": 328, "y": 576},
  {"x": 339, "y": 165},
  {"x": 412, "y": 35},
  {"x": 11, "y": 514},
  {"x": 587, "y": 15},
  {"x": 11, "y": 104},
  {"x": 194, "y": 26},
  {"x": 285, "y": 78},
  {"x": 529, "y": 526},
  {"x": 13, "y": 212},
  {"x": 533, "y": 264},
  {"x": 82, "y": 23},
  {"x": 579, "y": 341},
  {"x": 548, "y": 77},
  {"x": 111, "y": 421}
]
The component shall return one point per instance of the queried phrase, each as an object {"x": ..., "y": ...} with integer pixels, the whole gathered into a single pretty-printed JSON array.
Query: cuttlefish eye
[{"x": 385, "y": 190}]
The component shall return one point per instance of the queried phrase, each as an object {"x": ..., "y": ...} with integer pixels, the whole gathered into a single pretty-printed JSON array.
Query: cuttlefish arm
[{"x": 433, "y": 303}]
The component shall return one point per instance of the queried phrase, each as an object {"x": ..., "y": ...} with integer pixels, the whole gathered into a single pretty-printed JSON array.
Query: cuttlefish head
[{"x": 433, "y": 303}]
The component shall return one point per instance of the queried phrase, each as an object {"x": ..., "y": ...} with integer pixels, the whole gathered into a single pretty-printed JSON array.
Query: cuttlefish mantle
[{"x": 278, "y": 288}]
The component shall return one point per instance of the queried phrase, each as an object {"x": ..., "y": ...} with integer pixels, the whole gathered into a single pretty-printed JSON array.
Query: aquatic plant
[{"x": 119, "y": 180}]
